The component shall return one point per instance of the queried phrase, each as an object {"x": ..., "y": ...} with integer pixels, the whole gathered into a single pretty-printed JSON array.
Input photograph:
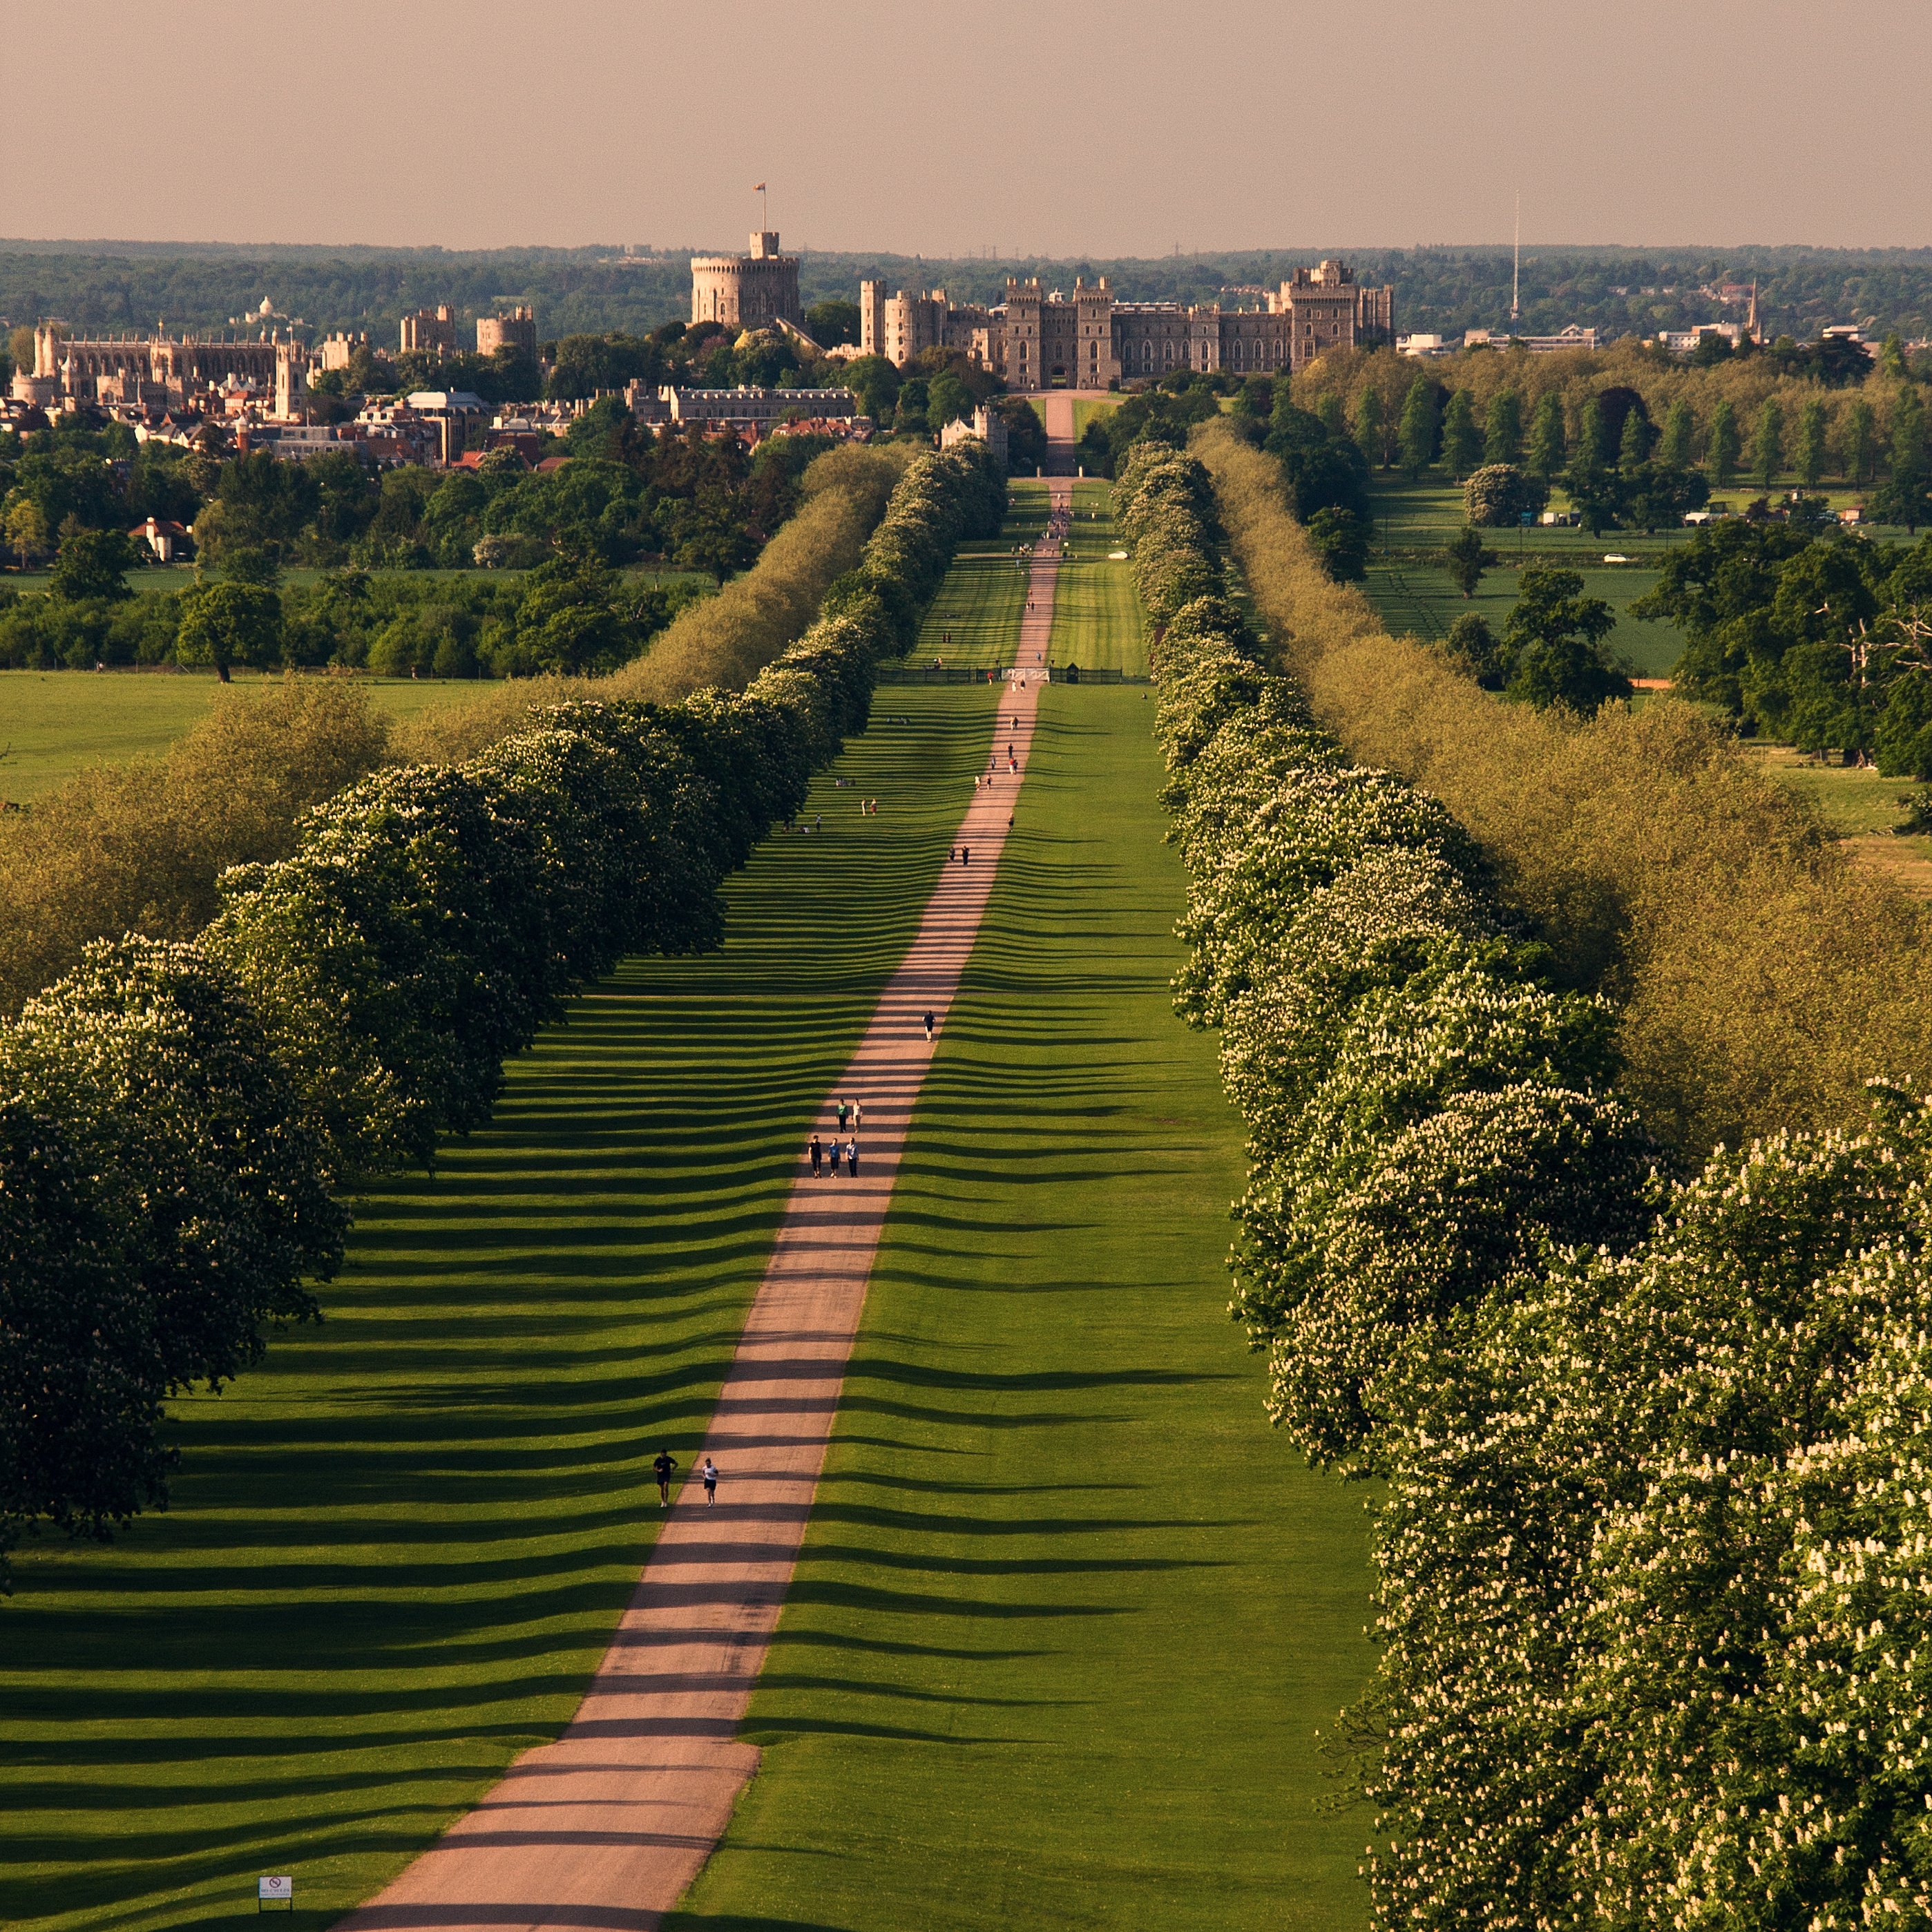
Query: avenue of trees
[
  {"x": 1650, "y": 1416},
  {"x": 180, "y": 1121}
]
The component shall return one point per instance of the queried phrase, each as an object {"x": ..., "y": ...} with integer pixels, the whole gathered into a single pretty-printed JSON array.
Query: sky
[{"x": 1130, "y": 128}]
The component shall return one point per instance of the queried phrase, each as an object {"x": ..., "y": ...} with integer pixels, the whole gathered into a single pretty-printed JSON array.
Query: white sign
[{"x": 283, "y": 1887}]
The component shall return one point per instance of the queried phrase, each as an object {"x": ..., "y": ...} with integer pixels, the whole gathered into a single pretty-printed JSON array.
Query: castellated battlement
[{"x": 749, "y": 291}]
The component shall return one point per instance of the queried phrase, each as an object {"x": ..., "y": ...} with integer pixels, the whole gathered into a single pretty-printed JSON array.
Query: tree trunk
[{"x": 221, "y": 670}]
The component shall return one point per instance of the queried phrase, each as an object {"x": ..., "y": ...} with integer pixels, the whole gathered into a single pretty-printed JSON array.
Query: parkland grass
[
  {"x": 52, "y": 723},
  {"x": 1413, "y": 595},
  {"x": 398, "y": 1549},
  {"x": 975, "y": 618},
  {"x": 1097, "y": 620},
  {"x": 1068, "y": 1614}
]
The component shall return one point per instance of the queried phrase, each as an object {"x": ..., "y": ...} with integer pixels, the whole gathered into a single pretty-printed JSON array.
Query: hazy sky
[{"x": 1120, "y": 129}]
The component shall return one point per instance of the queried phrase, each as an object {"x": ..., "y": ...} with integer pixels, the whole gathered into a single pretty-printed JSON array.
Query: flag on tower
[{"x": 757, "y": 187}]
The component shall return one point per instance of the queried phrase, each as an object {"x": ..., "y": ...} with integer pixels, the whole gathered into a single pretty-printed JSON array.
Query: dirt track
[{"x": 606, "y": 1827}]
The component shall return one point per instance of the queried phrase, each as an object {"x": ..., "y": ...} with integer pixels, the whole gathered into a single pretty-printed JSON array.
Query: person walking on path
[
  {"x": 928, "y": 1027},
  {"x": 709, "y": 1472},
  {"x": 844, "y": 1109},
  {"x": 817, "y": 1153},
  {"x": 852, "y": 1157},
  {"x": 965, "y": 855},
  {"x": 836, "y": 1156},
  {"x": 663, "y": 1468},
  {"x": 858, "y": 1115}
]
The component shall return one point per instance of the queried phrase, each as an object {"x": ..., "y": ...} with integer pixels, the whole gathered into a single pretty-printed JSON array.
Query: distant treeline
[{"x": 123, "y": 286}]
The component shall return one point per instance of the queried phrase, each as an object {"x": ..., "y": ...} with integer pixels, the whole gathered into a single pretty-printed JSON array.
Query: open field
[
  {"x": 1097, "y": 621},
  {"x": 54, "y": 722},
  {"x": 1861, "y": 809},
  {"x": 974, "y": 620},
  {"x": 397, "y": 1549},
  {"x": 1416, "y": 597},
  {"x": 1068, "y": 1614}
]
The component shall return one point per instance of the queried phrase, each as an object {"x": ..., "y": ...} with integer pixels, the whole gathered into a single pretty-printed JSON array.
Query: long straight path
[{"x": 606, "y": 1827}]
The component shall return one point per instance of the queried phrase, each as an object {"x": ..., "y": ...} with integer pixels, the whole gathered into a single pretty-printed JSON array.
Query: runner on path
[
  {"x": 710, "y": 1474},
  {"x": 663, "y": 1468}
]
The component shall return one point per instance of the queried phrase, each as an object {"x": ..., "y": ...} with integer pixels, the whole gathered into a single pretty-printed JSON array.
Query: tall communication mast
[{"x": 1515, "y": 273}]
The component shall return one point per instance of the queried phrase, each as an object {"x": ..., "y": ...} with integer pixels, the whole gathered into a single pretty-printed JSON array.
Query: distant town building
[
  {"x": 517, "y": 330},
  {"x": 430, "y": 331},
  {"x": 752, "y": 291},
  {"x": 1571, "y": 338},
  {"x": 166, "y": 542},
  {"x": 1682, "y": 341},
  {"x": 454, "y": 414},
  {"x": 755, "y": 408},
  {"x": 988, "y": 424},
  {"x": 338, "y": 350}
]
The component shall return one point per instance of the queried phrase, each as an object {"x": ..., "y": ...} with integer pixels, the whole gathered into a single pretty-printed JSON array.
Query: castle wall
[{"x": 751, "y": 291}]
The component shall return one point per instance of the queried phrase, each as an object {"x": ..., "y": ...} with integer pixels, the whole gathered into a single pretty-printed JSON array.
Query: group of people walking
[{"x": 825, "y": 1160}]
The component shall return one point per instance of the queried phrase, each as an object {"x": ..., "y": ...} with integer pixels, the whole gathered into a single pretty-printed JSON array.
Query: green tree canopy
[
  {"x": 1502, "y": 428},
  {"x": 228, "y": 624},
  {"x": 92, "y": 566},
  {"x": 1466, "y": 558},
  {"x": 1417, "y": 433},
  {"x": 1721, "y": 459},
  {"x": 1554, "y": 639},
  {"x": 1549, "y": 448},
  {"x": 1767, "y": 443},
  {"x": 1462, "y": 443},
  {"x": 1679, "y": 430}
]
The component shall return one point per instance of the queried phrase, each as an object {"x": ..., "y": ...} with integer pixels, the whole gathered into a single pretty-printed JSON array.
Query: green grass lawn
[
  {"x": 1069, "y": 1613},
  {"x": 398, "y": 1549},
  {"x": 54, "y": 722},
  {"x": 1414, "y": 596},
  {"x": 1097, "y": 622},
  {"x": 974, "y": 620},
  {"x": 1086, "y": 408}
]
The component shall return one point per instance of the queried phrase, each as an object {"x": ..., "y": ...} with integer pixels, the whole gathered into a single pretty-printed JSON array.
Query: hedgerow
[
  {"x": 179, "y": 1120},
  {"x": 1653, "y": 1597}
]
